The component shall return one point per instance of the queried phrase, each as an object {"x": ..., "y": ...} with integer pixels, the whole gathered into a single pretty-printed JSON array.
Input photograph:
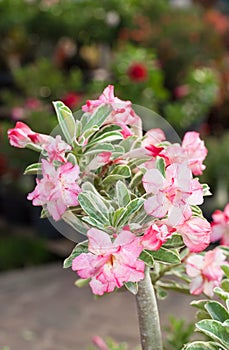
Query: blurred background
[{"x": 171, "y": 56}]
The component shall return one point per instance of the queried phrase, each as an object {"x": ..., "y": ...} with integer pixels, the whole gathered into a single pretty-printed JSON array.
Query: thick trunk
[{"x": 149, "y": 322}]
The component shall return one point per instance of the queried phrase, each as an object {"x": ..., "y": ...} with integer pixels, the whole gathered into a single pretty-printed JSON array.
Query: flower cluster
[{"x": 134, "y": 196}]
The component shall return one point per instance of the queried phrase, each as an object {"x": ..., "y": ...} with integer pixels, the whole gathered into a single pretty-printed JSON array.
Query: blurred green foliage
[{"x": 16, "y": 252}]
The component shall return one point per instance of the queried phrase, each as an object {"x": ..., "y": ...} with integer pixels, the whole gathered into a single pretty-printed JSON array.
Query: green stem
[{"x": 148, "y": 316}]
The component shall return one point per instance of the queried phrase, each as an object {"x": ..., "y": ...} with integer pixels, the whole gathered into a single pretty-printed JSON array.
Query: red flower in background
[
  {"x": 137, "y": 72},
  {"x": 71, "y": 99}
]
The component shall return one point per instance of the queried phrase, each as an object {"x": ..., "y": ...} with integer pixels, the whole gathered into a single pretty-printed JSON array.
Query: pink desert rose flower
[
  {"x": 21, "y": 136},
  {"x": 110, "y": 264},
  {"x": 58, "y": 189},
  {"x": 99, "y": 160},
  {"x": 153, "y": 137},
  {"x": 195, "y": 150},
  {"x": 173, "y": 194},
  {"x": 156, "y": 235},
  {"x": 196, "y": 233},
  {"x": 56, "y": 149},
  {"x": 205, "y": 271},
  {"x": 220, "y": 226},
  {"x": 122, "y": 113},
  {"x": 192, "y": 151}
]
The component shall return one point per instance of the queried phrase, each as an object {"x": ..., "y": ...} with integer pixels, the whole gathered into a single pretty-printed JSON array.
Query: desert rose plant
[{"x": 135, "y": 198}]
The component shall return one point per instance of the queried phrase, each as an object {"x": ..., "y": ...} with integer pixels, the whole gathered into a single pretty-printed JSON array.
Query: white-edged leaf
[
  {"x": 66, "y": 120},
  {"x": 165, "y": 256},
  {"x": 217, "y": 311},
  {"x": 122, "y": 194},
  {"x": 132, "y": 287},
  {"x": 202, "y": 345},
  {"x": 215, "y": 330},
  {"x": 33, "y": 169},
  {"x": 94, "y": 206},
  {"x": 97, "y": 118},
  {"x": 72, "y": 220},
  {"x": 79, "y": 249}
]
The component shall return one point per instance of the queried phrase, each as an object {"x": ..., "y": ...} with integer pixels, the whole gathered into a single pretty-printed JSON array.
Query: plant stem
[{"x": 148, "y": 316}]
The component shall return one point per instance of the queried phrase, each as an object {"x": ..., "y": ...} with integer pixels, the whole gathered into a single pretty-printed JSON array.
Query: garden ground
[{"x": 41, "y": 309}]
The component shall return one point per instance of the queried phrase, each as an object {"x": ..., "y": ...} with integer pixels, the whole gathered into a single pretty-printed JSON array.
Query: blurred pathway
[{"x": 41, "y": 309}]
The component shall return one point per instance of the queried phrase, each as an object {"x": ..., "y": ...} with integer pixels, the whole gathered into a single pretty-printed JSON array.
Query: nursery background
[{"x": 169, "y": 56}]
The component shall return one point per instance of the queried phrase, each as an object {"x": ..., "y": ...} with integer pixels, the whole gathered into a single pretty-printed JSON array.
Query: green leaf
[
  {"x": 196, "y": 211},
  {"x": 66, "y": 120},
  {"x": 71, "y": 158},
  {"x": 172, "y": 285},
  {"x": 221, "y": 293},
  {"x": 93, "y": 222},
  {"x": 161, "y": 293},
  {"x": 225, "y": 269},
  {"x": 147, "y": 258},
  {"x": 122, "y": 194},
  {"x": 128, "y": 143},
  {"x": 110, "y": 179},
  {"x": 225, "y": 285},
  {"x": 217, "y": 311},
  {"x": 106, "y": 147},
  {"x": 33, "y": 169},
  {"x": 206, "y": 190},
  {"x": 116, "y": 216},
  {"x": 79, "y": 249},
  {"x": 97, "y": 118},
  {"x": 71, "y": 219},
  {"x": 165, "y": 256},
  {"x": 130, "y": 209},
  {"x": 160, "y": 165},
  {"x": 202, "y": 345},
  {"x": 44, "y": 213},
  {"x": 122, "y": 170},
  {"x": 199, "y": 304},
  {"x": 81, "y": 282},
  {"x": 132, "y": 287},
  {"x": 176, "y": 241},
  {"x": 136, "y": 180},
  {"x": 108, "y": 137},
  {"x": 94, "y": 206},
  {"x": 215, "y": 330}
]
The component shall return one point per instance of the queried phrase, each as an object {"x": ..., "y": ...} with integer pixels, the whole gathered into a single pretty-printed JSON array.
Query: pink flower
[
  {"x": 174, "y": 153},
  {"x": 220, "y": 226},
  {"x": 58, "y": 189},
  {"x": 56, "y": 149},
  {"x": 99, "y": 342},
  {"x": 172, "y": 195},
  {"x": 99, "y": 160},
  {"x": 122, "y": 112},
  {"x": 156, "y": 235},
  {"x": 196, "y": 233},
  {"x": 22, "y": 135},
  {"x": 109, "y": 264},
  {"x": 192, "y": 152},
  {"x": 195, "y": 150},
  {"x": 153, "y": 137},
  {"x": 205, "y": 271}
]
